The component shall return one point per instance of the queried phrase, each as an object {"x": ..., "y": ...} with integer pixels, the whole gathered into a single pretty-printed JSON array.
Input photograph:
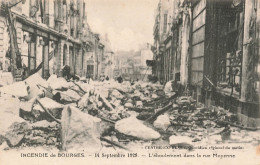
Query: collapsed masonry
[{"x": 75, "y": 115}]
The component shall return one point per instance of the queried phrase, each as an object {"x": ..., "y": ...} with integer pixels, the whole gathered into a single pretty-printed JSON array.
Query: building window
[
  {"x": 230, "y": 43},
  {"x": 84, "y": 10},
  {"x": 165, "y": 23},
  {"x": 34, "y": 5},
  {"x": 71, "y": 31},
  {"x": 65, "y": 16}
]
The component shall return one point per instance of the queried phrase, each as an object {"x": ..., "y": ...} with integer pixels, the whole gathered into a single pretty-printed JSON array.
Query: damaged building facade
[
  {"x": 214, "y": 45},
  {"x": 50, "y": 34}
]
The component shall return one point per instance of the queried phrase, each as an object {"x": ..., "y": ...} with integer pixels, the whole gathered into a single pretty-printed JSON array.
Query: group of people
[
  {"x": 171, "y": 86},
  {"x": 103, "y": 78},
  {"x": 120, "y": 80}
]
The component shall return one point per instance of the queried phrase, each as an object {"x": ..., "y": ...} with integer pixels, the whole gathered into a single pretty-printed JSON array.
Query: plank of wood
[
  {"x": 159, "y": 112},
  {"x": 107, "y": 120},
  {"x": 106, "y": 103},
  {"x": 80, "y": 87},
  {"x": 114, "y": 143},
  {"x": 47, "y": 111},
  {"x": 137, "y": 109}
]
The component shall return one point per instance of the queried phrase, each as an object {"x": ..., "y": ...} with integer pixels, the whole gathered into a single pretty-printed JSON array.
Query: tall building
[
  {"x": 213, "y": 45},
  {"x": 161, "y": 31},
  {"x": 49, "y": 35}
]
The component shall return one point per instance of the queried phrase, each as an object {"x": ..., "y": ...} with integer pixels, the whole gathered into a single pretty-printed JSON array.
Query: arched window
[{"x": 65, "y": 17}]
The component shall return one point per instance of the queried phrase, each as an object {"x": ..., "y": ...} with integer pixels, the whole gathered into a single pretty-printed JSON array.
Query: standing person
[
  {"x": 88, "y": 77},
  {"x": 176, "y": 85},
  {"x": 120, "y": 79},
  {"x": 24, "y": 72},
  {"x": 103, "y": 78},
  {"x": 107, "y": 78},
  {"x": 66, "y": 72},
  {"x": 172, "y": 87}
]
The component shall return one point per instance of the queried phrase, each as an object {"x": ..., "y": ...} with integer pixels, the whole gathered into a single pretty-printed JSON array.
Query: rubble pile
[
  {"x": 80, "y": 115},
  {"x": 43, "y": 133}
]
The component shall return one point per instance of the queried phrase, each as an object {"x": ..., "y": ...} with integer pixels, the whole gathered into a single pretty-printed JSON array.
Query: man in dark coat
[
  {"x": 66, "y": 72},
  {"x": 107, "y": 78},
  {"x": 119, "y": 79}
]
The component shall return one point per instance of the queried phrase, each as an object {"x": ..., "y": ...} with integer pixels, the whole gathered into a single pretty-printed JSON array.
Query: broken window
[
  {"x": 65, "y": 15},
  {"x": 229, "y": 47},
  {"x": 165, "y": 23},
  {"x": 34, "y": 7}
]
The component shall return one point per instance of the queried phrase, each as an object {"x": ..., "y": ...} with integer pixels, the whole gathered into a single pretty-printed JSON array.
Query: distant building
[
  {"x": 132, "y": 64},
  {"x": 161, "y": 32},
  {"x": 145, "y": 70},
  {"x": 108, "y": 59},
  {"x": 127, "y": 71},
  {"x": 118, "y": 66},
  {"x": 141, "y": 70}
]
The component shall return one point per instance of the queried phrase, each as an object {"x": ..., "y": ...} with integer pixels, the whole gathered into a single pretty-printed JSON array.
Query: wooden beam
[
  {"x": 45, "y": 58},
  {"x": 114, "y": 143},
  {"x": 47, "y": 111},
  {"x": 247, "y": 86},
  {"x": 159, "y": 112}
]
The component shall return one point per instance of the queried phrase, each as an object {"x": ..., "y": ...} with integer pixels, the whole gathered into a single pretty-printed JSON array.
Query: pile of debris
[{"x": 79, "y": 115}]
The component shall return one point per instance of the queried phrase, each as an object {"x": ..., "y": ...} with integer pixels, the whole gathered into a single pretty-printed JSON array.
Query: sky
[{"x": 128, "y": 23}]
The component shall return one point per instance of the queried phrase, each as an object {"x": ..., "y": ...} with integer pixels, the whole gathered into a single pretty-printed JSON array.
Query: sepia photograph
[{"x": 129, "y": 82}]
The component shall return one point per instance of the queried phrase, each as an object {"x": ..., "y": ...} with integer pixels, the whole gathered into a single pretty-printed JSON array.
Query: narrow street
[{"x": 129, "y": 82}]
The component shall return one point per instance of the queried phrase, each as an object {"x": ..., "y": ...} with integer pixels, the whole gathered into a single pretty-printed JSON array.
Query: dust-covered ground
[{"x": 82, "y": 121}]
